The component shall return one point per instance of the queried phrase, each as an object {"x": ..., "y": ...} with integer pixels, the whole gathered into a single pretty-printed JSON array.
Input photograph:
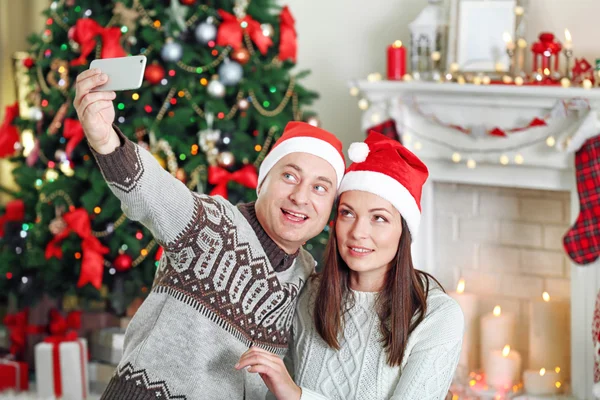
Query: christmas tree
[{"x": 218, "y": 90}]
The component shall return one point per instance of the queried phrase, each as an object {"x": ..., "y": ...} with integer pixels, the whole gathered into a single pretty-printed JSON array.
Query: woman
[{"x": 370, "y": 326}]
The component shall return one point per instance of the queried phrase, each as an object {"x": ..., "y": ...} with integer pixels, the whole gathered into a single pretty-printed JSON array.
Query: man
[{"x": 230, "y": 276}]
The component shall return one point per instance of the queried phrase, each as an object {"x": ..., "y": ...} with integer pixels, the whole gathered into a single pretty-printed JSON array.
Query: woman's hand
[{"x": 272, "y": 371}]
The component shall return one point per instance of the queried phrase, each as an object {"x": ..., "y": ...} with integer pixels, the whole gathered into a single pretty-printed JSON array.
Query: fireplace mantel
[{"x": 413, "y": 106}]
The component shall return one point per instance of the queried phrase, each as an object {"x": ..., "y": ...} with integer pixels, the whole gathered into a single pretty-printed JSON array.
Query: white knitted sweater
[{"x": 360, "y": 370}]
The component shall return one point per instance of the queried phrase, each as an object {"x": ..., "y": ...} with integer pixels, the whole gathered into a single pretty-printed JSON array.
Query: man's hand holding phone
[{"x": 96, "y": 111}]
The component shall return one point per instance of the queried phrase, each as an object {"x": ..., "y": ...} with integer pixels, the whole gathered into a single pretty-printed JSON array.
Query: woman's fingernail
[
  {"x": 237, "y": 365},
  {"x": 103, "y": 77}
]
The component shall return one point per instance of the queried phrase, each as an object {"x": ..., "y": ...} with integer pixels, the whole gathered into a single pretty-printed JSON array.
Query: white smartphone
[{"x": 124, "y": 73}]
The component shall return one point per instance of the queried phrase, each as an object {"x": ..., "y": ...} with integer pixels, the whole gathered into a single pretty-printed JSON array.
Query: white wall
[{"x": 341, "y": 40}]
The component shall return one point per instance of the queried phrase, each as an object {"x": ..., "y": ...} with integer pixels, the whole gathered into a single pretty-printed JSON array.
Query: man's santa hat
[
  {"x": 300, "y": 137},
  {"x": 384, "y": 167}
]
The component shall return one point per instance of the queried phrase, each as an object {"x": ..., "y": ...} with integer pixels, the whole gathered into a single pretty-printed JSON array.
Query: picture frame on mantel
[{"x": 475, "y": 34}]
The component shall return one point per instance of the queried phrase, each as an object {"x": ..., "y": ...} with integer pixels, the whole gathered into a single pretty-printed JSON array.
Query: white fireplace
[{"x": 498, "y": 220}]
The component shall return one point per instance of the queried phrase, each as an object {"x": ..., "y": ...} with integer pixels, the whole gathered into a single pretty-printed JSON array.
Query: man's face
[{"x": 295, "y": 199}]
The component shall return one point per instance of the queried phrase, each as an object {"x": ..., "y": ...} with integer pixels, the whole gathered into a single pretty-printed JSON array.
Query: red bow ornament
[
  {"x": 86, "y": 30},
  {"x": 231, "y": 32},
  {"x": 59, "y": 325},
  {"x": 245, "y": 176},
  {"x": 92, "y": 263},
  {"x": 14, "y": 212},
  {"x": 73, "y": 131},
  {"x": 287, "y": 42},
  {"x": 18, "y": 329},
  {"x": 9, "y": 134}
]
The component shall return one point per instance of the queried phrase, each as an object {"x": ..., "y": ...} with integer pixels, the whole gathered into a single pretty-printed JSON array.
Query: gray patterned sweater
[{"x": 222, "y": 285}]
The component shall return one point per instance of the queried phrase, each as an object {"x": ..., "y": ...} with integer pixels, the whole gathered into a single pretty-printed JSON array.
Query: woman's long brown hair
[{"x": 401, "y": 304}]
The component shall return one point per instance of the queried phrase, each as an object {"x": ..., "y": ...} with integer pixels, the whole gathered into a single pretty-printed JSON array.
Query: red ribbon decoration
[
  {"x": 231, "y": 32},
  {"x": 18, "y": 329},
  {"x": 55, "y": 341},
  {"x": 159, "y": 253},
  {"x": 73, "y": 131},
  {"x": 245, "y": 176},
  {"x": 497, "y": 132},
  {"x": 9, "y": 134},
  {"x": 86, "y": 30},
  {"x": 92, "y": 263},
  {"x": 287, "y": 42},
  {"x": 14, "y": 212}
]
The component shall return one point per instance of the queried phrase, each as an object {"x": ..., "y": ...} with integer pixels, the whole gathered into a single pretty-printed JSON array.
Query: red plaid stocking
[
  {"x": 387, "y": 128},
  {"x": 582, "y": 241}
]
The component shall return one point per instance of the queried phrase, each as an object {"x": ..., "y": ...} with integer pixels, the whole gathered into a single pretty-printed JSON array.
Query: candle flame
[
  {"x": 542, "y": 371},
  {"x": 497, "y": 311},
  {"x": 397, "y": 44},
  {"x": 460, "y": 288},
  {"x": 507, "y": 38},
  {"x": 546, "y": 296},
  {"x": 506, "y": 351},
  {"x": 557, "y": 369},
  {"x": 567, "y": 35},
  {"x": 558, "y": 385},
  {"x": 546, "y": 71},
  {"x": 472, "y": 382}
]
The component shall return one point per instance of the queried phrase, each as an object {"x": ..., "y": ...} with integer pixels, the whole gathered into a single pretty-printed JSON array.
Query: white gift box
[{"x": 70, "y": 361}]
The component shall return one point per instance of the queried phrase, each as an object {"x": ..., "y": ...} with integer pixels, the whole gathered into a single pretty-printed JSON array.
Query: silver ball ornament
[
  {"x": 230, "y": 73},
  {"x": 216, "y": 89},
  {"x": 172, "y": 51},
  {"x": 205, "y": 32}
]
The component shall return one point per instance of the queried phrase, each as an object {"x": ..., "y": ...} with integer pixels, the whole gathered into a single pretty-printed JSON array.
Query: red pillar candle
[{"x": 396, "y": 61}]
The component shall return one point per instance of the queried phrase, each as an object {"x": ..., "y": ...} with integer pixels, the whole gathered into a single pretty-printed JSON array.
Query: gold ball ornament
[
  {"x": 57, "y": 225},
  {"x": 160, "y": 160},
  {"x": 226, "y": 159}
]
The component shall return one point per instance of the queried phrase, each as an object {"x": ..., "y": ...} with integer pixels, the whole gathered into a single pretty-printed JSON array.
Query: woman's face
[{"x": 368, "y": 230}]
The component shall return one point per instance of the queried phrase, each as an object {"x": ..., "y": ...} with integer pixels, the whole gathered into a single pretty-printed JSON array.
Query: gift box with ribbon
[
  {"x": 107, "y": 345},
  {"x": 14, "y": 375},
  {"x": 61, "y": 364},
  {"x": 61, "y": 360}
]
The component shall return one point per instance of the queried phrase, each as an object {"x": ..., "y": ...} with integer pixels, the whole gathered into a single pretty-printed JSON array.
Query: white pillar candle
[
  {"x": 548, "y": 335},
  {"x": 468, "y": 304},
  {"x": 541, "y": 382},
  {"x": 497, "y": 330},
  {"x": 503, "y": 368}
]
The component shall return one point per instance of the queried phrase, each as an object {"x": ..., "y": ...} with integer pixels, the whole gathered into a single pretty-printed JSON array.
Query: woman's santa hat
[
  {"x": 300, "y": 137},
  {"x": 384, "y": 167}
]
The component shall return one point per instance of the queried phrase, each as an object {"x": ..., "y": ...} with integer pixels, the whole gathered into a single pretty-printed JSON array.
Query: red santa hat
[
  {"x": 384, "y": 167},
  {"x": 300, "y": 137}
]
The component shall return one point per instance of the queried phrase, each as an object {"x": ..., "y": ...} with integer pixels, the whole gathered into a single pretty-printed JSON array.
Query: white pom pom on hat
[{"x": 358, "y": 152}]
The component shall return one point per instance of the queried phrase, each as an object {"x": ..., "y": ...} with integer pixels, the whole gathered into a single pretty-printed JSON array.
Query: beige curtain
[{"x": 18, "y": 19}]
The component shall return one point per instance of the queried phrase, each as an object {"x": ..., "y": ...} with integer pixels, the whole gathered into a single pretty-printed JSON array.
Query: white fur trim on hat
[
  {"x": 389, "y": 189},
  {"x": 358, "y": 152},
  {"x": 303, "y": 144}
]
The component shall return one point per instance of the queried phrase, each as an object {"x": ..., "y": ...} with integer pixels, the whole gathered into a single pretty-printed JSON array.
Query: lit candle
[
  {"x": 503, "y": 368},
  {"x": 396, "y": 61},
  {"x": 468, "y": 304},
  {"x": 549, "y": 346},
  {"x": 542, "y": 382},
  {"x": 497, "y": 330},
  {"x": 568, "y": 43}
]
